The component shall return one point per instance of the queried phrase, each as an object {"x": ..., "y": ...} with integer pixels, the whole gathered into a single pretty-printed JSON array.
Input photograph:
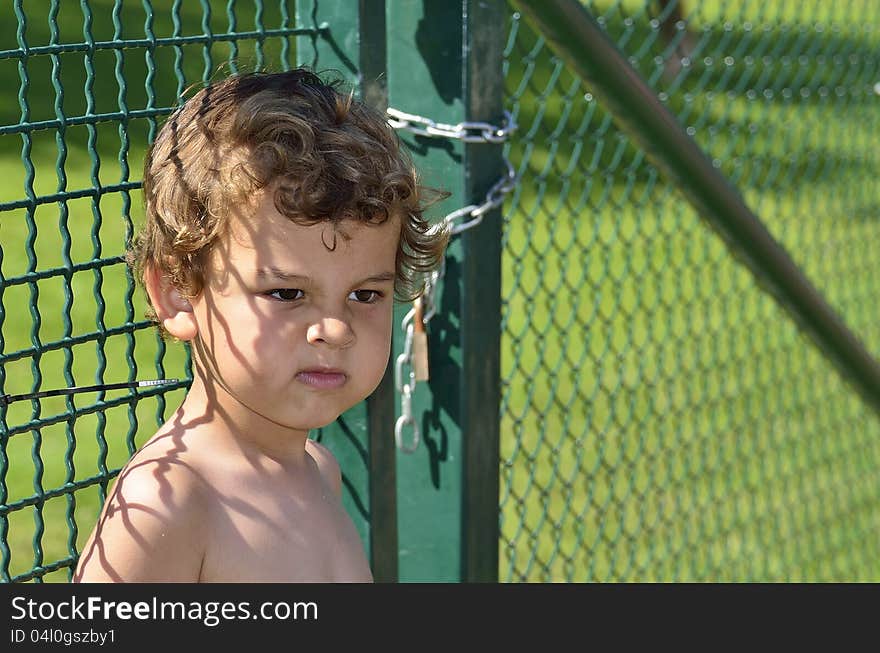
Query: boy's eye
[
  {"x": 365, "y": 296},
  {"x": 286, "y": 294}
]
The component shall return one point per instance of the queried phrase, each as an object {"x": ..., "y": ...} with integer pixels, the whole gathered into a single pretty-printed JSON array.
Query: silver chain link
[
  {"x": 458, "y": 221},
  {"x": 475, "y": 212},
  {"x": 405, "y": 360},
  {"x": 406, "y": 391},
  {"x": 469, "y": 132}
]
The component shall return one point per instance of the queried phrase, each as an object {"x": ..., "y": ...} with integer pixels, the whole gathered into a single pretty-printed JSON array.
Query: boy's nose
[{"x": 331, "y": 331}]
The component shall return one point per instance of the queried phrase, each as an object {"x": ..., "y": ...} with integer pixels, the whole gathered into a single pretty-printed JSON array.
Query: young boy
[{"x": 281, "y": 220}]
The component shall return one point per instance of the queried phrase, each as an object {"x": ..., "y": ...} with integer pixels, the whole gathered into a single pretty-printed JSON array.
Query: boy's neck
[{"x": 209, "y": 404}]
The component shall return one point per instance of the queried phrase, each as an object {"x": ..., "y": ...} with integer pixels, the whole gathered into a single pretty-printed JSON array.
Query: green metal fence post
[
  {"x": 441, "y": 69},
  {"x": 352, "y": 43},
  {"x": 481, "y": 298}
]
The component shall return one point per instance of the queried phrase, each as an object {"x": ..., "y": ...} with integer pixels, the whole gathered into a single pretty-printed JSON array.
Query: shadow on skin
[
  {"x": 263, "y": 503},
  {"x": 168, "y": 451},
  {"x": 116, "y": 502}
]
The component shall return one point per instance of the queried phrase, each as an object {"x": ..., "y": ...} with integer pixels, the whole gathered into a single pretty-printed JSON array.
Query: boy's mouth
[{"x": 322, "y": 377}]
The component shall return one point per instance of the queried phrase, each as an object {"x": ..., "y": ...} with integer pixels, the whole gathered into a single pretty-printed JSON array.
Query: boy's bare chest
[{"x": 284, "y": 539}]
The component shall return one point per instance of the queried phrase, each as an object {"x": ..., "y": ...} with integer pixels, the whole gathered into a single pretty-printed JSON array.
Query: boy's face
[{"x": 289, "y": 329}]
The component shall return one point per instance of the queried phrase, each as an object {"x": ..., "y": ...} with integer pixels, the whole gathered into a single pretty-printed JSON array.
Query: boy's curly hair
[{"x": 324, "y": 155}]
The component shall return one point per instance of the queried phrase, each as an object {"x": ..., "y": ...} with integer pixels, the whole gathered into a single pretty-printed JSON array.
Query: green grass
[
  {"x": 663, "y": 418},
  {"x": 95, "y": 301},
  {"x": 699, "y": 439}
]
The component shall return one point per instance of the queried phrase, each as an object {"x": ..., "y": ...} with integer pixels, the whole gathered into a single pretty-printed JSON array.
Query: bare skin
[
  {"x": 190, "y": 513},
  {"x": 286, "y": 336}
]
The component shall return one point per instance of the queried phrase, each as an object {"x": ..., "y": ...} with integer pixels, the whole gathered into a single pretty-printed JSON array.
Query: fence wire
[{"x": 662, "y": 418}]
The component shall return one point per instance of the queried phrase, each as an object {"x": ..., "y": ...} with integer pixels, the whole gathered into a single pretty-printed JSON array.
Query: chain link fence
[{"x": 663, "y": 419}]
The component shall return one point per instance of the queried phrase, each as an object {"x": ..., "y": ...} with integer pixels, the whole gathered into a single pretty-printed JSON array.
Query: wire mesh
[
  {"x": 662, "y": 418},
  {"x": 93, "y": 78}
]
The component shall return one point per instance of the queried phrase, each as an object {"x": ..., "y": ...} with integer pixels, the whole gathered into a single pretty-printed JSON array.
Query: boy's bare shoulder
[
  {"x": 165, "y": 475},
  {"x": 327, "y": 464},
  {"x": 153, "y": 522}
]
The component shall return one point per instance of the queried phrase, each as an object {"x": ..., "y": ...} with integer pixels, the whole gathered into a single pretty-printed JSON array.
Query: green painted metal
[
  {"x": 480, "y": 377},
  {"x": 425, "y": 77},
  {"x": 445, "y": 66}
]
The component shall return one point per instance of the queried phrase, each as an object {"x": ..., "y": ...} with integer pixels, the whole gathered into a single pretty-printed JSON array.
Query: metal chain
[
  {"x": 405, "y": 359},
  {"x": 469, "y": 132},
  {"x": 475, "y": 212},
  {"x": 458, "y": 221},
  {"x": 406, "y": 392}
]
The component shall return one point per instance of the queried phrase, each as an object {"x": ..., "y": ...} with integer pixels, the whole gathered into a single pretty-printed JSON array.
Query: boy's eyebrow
[
  {"x": 378, "y": 278},
  {"x": 278, "y": 273}
]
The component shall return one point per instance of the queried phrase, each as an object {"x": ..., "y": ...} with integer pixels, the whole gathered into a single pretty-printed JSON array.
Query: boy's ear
[{"x": 174, "y": 311}]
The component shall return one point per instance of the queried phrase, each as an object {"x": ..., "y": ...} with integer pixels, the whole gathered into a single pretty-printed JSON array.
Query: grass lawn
[{"x": 663, "y": 419}]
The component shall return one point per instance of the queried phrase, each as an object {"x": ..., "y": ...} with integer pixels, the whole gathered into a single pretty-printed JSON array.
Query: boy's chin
[
  {"x": 320, "y": 422},
  {"x": 318, "y": 417}
]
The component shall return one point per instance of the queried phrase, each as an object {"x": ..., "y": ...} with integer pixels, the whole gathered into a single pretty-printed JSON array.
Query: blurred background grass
[{"x": 663, "y": 419}]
